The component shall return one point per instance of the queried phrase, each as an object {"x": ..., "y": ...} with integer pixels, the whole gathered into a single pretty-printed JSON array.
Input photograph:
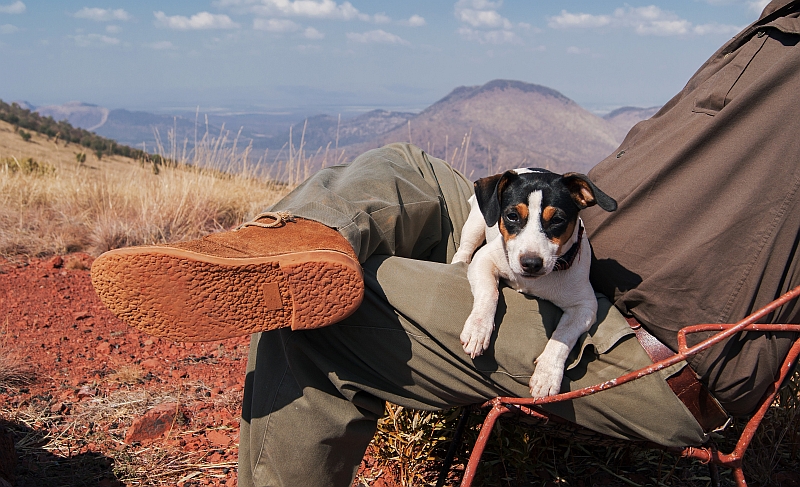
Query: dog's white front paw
[
  {"x": 462, "y": 256},
  {"x": 546, "y": 381},
  {"x": 476, "y": 335}
]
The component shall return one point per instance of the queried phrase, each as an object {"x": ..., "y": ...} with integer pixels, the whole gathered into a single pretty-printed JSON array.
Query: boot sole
[{"x": 187, "y": 296}]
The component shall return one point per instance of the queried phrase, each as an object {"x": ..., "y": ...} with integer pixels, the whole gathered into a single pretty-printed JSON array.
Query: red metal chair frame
[{"x": 706, "y": 454}]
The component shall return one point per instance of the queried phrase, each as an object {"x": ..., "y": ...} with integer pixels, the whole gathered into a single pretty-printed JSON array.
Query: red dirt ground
[
  {"x": 94, "y": 377},
  {"x": 83, "y": 357}
]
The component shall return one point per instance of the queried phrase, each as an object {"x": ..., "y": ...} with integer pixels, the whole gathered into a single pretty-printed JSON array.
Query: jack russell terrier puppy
[{"x": 536, "y": 243}]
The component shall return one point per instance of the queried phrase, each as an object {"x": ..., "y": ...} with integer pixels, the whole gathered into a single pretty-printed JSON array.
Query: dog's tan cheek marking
[
  {"x": 548, "y": 213},
  {"x": 522, "y": 210},
  {"x": 563, "y": 239}
]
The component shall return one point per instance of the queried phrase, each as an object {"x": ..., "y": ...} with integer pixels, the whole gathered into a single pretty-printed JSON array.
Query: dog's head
[{"x": 536, "y": 211}]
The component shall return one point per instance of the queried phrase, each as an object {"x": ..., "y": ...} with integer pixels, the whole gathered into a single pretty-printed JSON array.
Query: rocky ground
[{"x": 87, "y": 400}]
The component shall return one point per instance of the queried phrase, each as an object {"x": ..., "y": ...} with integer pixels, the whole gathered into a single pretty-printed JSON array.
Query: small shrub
[
  {"x": 26, "y": 166},
  {"x": 26, "y": 136},
  {"x": 80, "y": 158}
]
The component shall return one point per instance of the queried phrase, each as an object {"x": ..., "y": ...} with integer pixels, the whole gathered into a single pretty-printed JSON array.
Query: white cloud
[
  {"x": 649, "y": 20},
  {"x": 664, "y": 27},
  {"x": 113, "y": 29},
  {"x": 483, "y": 18},
  {"x": 381, "y": 18},
  {"x": 481, "y": 14},
  {"x": 567, "y": 19},
  {"x": 490, "y": 36},
  {"x": 202, "y": 20},
  {"x": 14, "y": 8},
  {"x": 317, "y": 9},
  {"x": 8, "y": 29},
  {"x": 415, "y": 21},
  {"x": 484, "y": 24},
  {"x": 275, "y": 25},
  {"x": 102, "y": 14},
  {"x": 376, "y": 37},
  {"x": 161, "y": 46},
  {"x": 86, "y": 40},
  {"x": 757, "y": 5},
  {"x": 714, "y": 28},
  {"x": 282, "y": 26},
  {"x": 312, "y": 33}
]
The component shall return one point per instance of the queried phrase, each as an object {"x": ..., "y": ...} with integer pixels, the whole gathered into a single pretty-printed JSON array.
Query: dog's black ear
[
  {"x": 586, "y": 194},
  {"x": 487, "y": 192}
]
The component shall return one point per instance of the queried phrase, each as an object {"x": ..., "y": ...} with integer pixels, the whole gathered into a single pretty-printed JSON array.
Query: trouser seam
[{"x": 269, "y": 416}]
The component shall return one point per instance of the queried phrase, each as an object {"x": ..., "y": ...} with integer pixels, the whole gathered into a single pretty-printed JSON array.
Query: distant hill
[
  {"x": 506, "y": 124},
  {"x": 78, "y": 114},
  {"x": 320, "y": 130},
  {"x": 149, "y": 130},
  {"x": 139, "y": 129},
  {"x": 24, "y": 119},
  {"x": 136, "y": 129},
  {"x": 512, "y": 124}
]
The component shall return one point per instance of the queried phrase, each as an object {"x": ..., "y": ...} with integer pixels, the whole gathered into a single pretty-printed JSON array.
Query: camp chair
[{"x": 707, "y": 453}]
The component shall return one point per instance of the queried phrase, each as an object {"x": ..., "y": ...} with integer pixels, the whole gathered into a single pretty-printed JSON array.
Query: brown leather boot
[{"x": 274, "y": 272}]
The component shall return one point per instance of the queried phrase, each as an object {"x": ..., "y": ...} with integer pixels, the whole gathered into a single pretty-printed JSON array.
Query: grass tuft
[{"x": 14, "y": 372}]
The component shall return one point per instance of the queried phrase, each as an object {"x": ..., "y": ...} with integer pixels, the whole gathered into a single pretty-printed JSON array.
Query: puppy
[{"x": 535, "y": 242}]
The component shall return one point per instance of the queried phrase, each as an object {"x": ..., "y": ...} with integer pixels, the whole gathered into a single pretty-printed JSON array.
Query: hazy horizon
[
  {"x": 346, "y": 111},
  {"x": 347, "y": 57}
]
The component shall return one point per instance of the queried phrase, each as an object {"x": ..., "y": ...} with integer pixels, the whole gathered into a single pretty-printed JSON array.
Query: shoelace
[{"x": 280, "y": 219}]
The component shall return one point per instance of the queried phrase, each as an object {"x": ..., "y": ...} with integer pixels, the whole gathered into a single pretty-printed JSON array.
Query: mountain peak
[
  {"x": 464, "y": 92},
  {"x": 505, "y": 84}
]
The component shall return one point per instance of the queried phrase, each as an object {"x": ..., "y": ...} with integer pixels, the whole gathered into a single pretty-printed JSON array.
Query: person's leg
[
  {"x": 396, "y": 200},
  {"x": 312, "y": 398}
]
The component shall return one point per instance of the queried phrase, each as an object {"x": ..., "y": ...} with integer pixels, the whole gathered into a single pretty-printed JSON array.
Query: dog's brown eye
[
  {"x": 512, "y": 216},
  {"x": 556, "y": 220}
]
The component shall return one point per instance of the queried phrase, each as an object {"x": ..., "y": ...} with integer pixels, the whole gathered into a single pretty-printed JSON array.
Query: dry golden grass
[
  {"x": 14, "y": 372},
  {"x": 115, "y": 202}
]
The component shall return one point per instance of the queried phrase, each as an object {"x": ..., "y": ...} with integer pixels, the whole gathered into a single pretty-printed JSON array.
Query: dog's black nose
[{"x": 531, "y": 264}]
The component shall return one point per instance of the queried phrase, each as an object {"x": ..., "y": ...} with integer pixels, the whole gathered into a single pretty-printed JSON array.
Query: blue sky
[{"x": 345, "y": 56}]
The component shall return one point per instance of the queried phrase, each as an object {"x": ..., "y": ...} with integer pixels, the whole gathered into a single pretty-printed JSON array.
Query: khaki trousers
[{"x": 312, "y": 398}]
